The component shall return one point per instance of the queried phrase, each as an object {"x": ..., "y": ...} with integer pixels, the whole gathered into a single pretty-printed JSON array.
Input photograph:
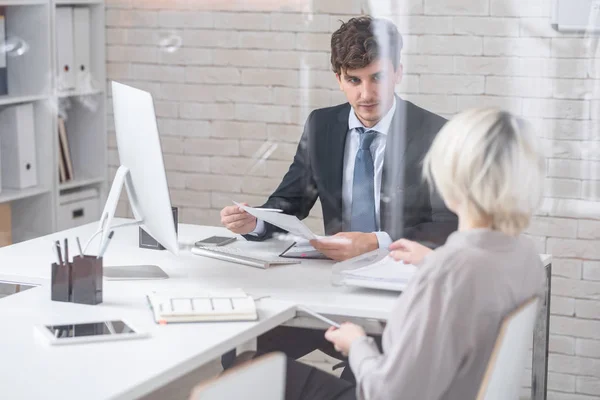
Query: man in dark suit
[{"x": 362, "y": 159}]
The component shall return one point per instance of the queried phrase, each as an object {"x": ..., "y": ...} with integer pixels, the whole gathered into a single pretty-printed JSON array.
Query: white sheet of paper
[
  {"x": 289, "y": 223},
  {"x": 386, "y": 269}
]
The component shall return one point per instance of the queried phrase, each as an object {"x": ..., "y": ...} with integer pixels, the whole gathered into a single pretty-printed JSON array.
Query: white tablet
[{"x": 87, "y": 332}]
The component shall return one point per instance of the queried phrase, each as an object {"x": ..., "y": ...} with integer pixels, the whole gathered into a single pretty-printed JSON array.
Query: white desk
[{"x": 130, "y": 369}]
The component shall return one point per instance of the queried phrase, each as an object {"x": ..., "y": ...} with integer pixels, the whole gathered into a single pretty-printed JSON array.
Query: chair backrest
[
  {"x": 502, "y": 379},
  {"x": 260, "y": 379}
]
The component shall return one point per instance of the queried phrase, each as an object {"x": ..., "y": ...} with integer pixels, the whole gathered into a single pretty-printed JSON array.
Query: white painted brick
[
  {"x": 270, "y": 77},
  {"x": 116, "y": 36},
  {"x": 573, "y": 365},
  {"x": 143, "y": 36},
  {"x": 590, "y": 190},
  {"x": 574, "y": 89},
  {"x": 427, "y": 25},
  {"x": 166, "y": 109},
  {"x": 338, "y": 97},
  {"x": 551, "y": 108},
  {"x": 561, "y": 148},
  {"x": 185, "y": 19},
  {"x": 171, "y": 145},
  {"x": 537, "y": 27},
  {"x": 453, "y": 84},
  {"x": 183, "y": 198},
  {"x": 595, "y": 109},
  {"x": 591, "y": 270},
  {"x": 411, "y": 44},
  {"x": 524, "y": 87},
  {"x": 348, "y": 7},
  {"x": 574, "y": 248},
  {"x": 210, "y": 147},
  {"x": 575, "y": 288},
  {"x": 176, "y": 179},
  {"x": 567, "y": 129},
  {"x": 113, "y": 158},
  {"x": 569, "y": 396},
  {"x": 262, "y": 113},
  {"x": 206, "y": 111},
  {"x": 299, "y": 59},
  {"x": 417, "y": 64},
  {"x": 590, "y": 150},
  {"x": 562, "y": 345},
  {"x": 242, "y": 21},
  {"x": 566, "y": 268},
  {"x": 233, "y": 129},
  {"x": 187, "y": 92},
  {"x": 257, "y": 185},
  {"x": 511, "y": 104},
  {"x": 315, "y": 98},
  {"x": 241, "y": 57},
  {"x": 570, "y": 48},
  {"x": 317, "y": 79},
  {"x": 132, "y": 54},
  {"x": 440, "y": 104},
  {"x": 539, "y": 242},
  {"x": 483, "y": 65},
  {"x": 118, "y": 3},
  {"x": 587, "y": 348},
  {"x": 267, "y": 40},
  {"x": 186, "y": 56},
  {"x": 182, "y": 163},
  {"x": 520, "y": 8},
  {"x": 212, "y": 75},
  {"x": 201, "y": 182},
  {"x": 220, "y": 199},
  {"x": 300, "y": 22},
  {"x": 486, "y": 26},
  {"x": 268, "y": 150},
  {"x": 118, "y": 71},
  {"x": 581, "y": 328},
  {"x": 131, "y": 18},
  {"x": 569, "y": 68},
  {"x": 237, "y": 166},
  {"x": 588, "y": 385},
  {"x": 175, "y": 127},
  {"x": 244, "y": 94},
  {"x": 158, "y": 73},
  {"x": 211, "y": 38},
  {"x": 456, "y": 7},
  {"x": 519, "y": 47},
  {"x": 589, "y": 229},
  {"x": 571, "y": 208},
  {"x": 562, "y": 305},
  {"x": 200, "y": 216},
  {"x": 587, "y": 308},
  {"x": 555, "y": 227},
  {"x": 409, "y": 84},
  {"x": 574, "y": 169},
  {"x": 562, "y": 382},
  {"x": 450, "y": 45},
  {"x": 284, "y": 133},
  {"x": 313, "y": 41},
  {"x": 277, "y": 169}
]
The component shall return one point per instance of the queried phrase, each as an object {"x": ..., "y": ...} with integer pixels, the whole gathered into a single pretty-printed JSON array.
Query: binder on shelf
[
  {"x": 65, "y": 151},
  {"x": 3, "y": 61},
  {"x": 82, "y": 43},
  {"x": 65, "y": 48},
  {"x": 17, "y": 129}
]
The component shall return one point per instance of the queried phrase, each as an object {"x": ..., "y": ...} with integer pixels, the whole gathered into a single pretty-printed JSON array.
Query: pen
[
  {"x": 79, "y": 246},
  {"x": 110, "y": 235},
  {"x": 66, "y": 251},
  {"x": 58, "y": 252},
  {"x": 319, "y": 316},
  {"x": 55, "y": 251}
]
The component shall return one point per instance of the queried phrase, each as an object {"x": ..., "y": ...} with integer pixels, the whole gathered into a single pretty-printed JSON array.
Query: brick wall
[{"x": 234, "y": 81}]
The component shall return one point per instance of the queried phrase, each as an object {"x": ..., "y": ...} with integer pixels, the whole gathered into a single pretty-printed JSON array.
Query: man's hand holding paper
[{"x": 345, "y": 245}]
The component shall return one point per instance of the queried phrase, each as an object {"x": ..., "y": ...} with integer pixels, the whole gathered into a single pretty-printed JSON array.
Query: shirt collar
[{"x": 383, "y": 126}]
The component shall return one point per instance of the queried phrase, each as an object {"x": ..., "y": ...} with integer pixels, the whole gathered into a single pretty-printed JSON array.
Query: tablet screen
[{"x": 90, "y": 329}]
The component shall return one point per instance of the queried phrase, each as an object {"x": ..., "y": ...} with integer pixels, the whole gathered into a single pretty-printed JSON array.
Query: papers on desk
[
  {"x": 202, "y": 306},
  {"x": 286, "y": 222},
  {"x": 375, "y": 270}
]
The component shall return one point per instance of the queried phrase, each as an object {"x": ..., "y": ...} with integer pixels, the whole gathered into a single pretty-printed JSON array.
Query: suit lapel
[{"x": 337, "y": 132}]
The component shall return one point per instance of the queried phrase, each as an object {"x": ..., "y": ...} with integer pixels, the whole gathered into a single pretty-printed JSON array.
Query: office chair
[{"x": 502, "y": 379}]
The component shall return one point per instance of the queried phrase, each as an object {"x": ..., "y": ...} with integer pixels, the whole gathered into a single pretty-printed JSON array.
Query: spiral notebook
[{"x": 202, "y": 306}]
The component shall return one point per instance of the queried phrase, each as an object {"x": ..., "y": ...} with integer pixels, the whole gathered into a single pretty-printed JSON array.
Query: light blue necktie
[{"x": 363, "y": 218}]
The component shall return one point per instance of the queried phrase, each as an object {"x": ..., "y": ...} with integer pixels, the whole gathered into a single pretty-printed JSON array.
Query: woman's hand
[
  {"x": 408, "y": 251},
  {"x": 343, "y": 337}
]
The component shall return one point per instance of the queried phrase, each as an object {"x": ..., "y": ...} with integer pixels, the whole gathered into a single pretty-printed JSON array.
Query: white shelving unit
[{"x": 32, "y": 78}]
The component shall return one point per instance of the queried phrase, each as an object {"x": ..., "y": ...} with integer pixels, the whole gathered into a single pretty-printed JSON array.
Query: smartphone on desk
[
  {"x": 215, "y": 241},
  {"x": 88, "y": 332}
]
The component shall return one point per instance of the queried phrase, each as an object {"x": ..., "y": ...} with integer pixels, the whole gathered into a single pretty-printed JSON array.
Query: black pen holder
[
  {"x": 86, "y": 280},
  {"x": 61, "y": 282}
]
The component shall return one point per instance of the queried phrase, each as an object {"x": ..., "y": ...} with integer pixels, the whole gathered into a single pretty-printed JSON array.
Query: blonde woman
[{"x": 487, "y": 167}]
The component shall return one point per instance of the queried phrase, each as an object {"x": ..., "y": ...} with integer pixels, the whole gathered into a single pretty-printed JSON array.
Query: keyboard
[{"x": 240, "y": 256}]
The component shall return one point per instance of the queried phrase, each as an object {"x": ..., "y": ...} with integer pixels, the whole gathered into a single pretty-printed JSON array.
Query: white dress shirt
[{"x": 377, "y": 151}]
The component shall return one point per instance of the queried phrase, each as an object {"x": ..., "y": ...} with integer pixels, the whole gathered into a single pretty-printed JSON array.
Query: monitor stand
[{"x": 124, "y": 272}]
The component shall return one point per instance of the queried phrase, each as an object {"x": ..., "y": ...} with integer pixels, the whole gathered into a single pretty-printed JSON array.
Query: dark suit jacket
[{"x": 408, "y": 208}]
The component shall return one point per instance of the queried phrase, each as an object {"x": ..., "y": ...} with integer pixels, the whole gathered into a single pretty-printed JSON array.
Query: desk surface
[{"x": 130, "y": 369}]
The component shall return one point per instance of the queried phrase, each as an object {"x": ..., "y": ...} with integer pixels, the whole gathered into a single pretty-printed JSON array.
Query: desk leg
[{"x": 541, "y": 336}]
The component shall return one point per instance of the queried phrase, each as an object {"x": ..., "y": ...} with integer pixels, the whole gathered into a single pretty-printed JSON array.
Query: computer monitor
[{"x": 141, "y": 168}]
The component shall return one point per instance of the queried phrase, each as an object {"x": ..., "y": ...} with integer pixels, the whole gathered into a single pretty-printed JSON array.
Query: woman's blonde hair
[{"x": 488, "y": 162}]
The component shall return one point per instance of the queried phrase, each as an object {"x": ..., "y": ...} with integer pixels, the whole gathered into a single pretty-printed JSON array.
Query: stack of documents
[
  {"x": 213, "y": 305},
  {"x": 376, "y": 270},
  {"x": 289, "y": 223}
]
